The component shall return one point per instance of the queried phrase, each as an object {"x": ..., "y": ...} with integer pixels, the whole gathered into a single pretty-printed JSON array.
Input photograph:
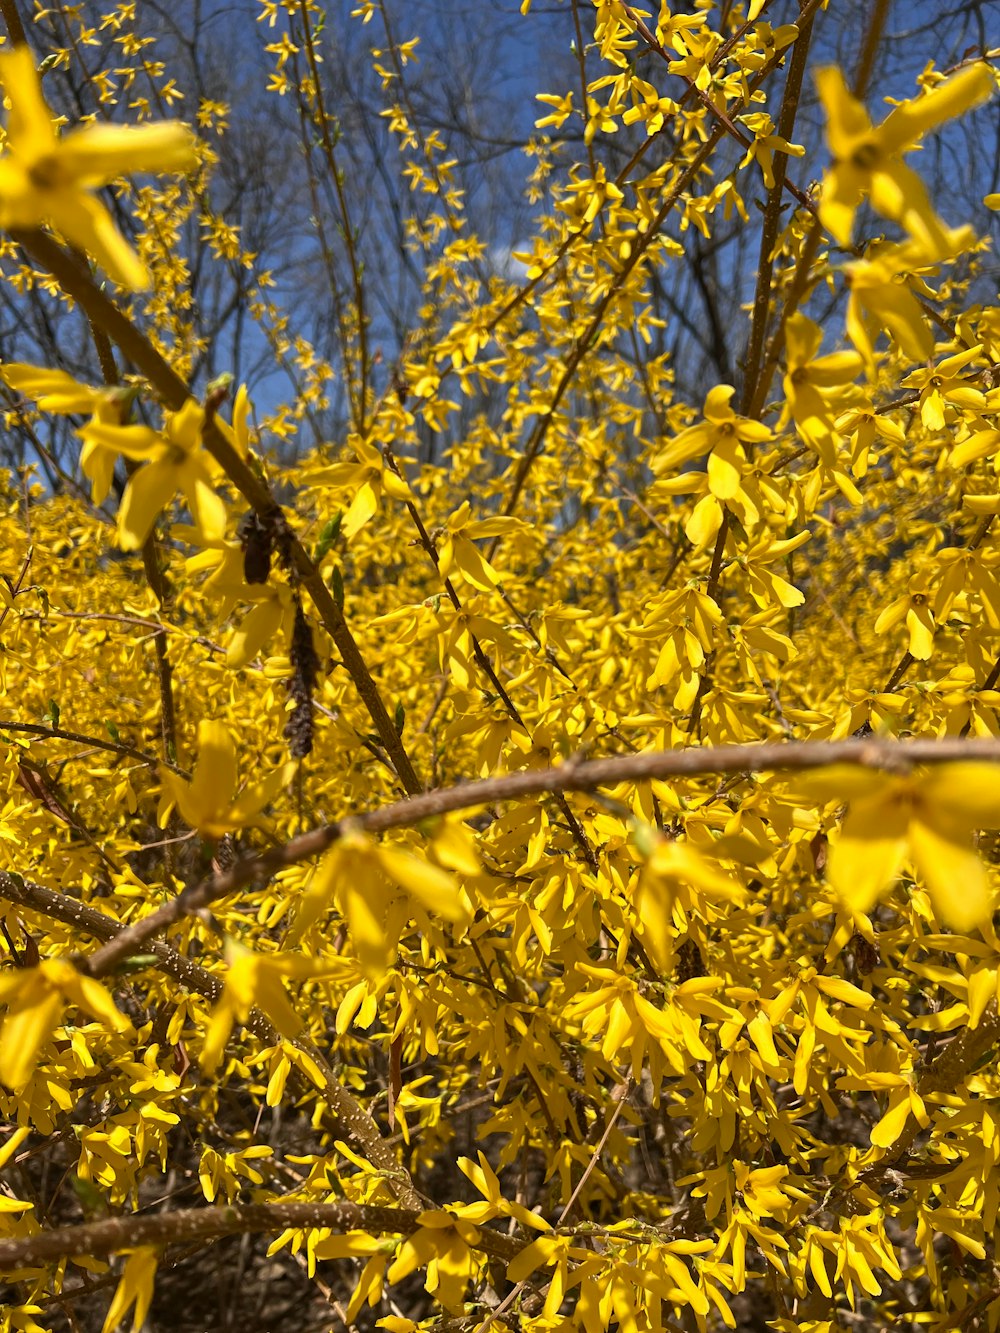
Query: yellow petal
[
  {"x": 869, "y": 853},
  {"x": 892, "y": 1124},
  {"x": 429, "y": 884},
  {"x": 908, "y": 122},
  {"x": 97, "y": 154},
  {"x": 762, "y": 1036},
  {"x": 955, "y": 876},
  {"x": 968, "y": 791},
  {"x": 27, "y": 1027},
  {"x": 147, "y": 492}
]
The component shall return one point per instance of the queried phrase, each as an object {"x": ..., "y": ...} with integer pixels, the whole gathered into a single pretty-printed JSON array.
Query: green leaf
[{"x": 330, "y": 533}]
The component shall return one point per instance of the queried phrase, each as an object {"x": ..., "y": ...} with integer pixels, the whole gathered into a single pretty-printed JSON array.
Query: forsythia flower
[
  {"x": 880, "y": 296},
  {"x": 364, "y": 878},
  {"x": 371, "y": 476},
  {"x": 48, "y": 179},
  {"x": 816, "y": 387},
  {"x": 207, "y": 801},
  {"x": 174, "y": 460},
  {"x": 722, "y": 435},
  {"x": 915, "y": 610},
  {"x": 35, "y": 998},
  {"x": 868, "y": 161},
  {"x": 927, "y": 818},
  {"x": 255, "y": 979}
]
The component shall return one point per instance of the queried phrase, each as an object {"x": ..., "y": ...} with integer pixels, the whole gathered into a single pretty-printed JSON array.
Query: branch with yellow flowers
[
  {"x": 174, "y": 394},
  {"x": 49, "y": 180},
  {"x": 190, "y": 1224},
  {"x": 898, "y": 759},
  {"x": 350, "y": 1116}
]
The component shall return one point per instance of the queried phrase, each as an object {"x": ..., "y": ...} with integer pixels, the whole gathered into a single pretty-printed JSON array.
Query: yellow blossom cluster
[{"x": 536, "y": 833}]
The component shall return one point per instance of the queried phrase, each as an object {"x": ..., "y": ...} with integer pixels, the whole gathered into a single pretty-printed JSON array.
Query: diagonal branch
[
  {"x": 773, "y": 756},
  {"x": 174, "y": 393},
  {"x": 350, "y": 1116}
]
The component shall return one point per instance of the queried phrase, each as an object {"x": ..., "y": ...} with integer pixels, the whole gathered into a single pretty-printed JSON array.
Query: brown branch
[
  {"x": 773, "y": 756},
  {"x": 111, "y": 1234},
  {"x": 174, "y": 393},
  {"x": 15, "y": 28},
  {"x": 755, "y": 386},
  {"x": 95, "y": 742},
  {"x": 348, "y": 1113}
]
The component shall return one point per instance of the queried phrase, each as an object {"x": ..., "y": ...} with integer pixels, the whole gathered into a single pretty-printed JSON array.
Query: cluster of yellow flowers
[{"x": 774, "y": 993}]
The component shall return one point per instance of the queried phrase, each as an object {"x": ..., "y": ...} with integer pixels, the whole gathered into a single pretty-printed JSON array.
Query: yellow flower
[
  {"x": 56, "y": 391},
  {"x": 35, "y": 998},
  {"x": 815, "y": 386},
  {"x": 255, "y": 979},
  {"x": 867, "y": 161},
  {"x": 456, "y": 551},
  {"x": 207, "y": 802},
  {"x": 673, "y": 881},
  {"x": 371, "y": 476},
  {"x": 942, "y": 385},
  {"x": 134, "y": 1288},
  {"x": 765, "y": 144},
  {"x": 363, "y": 879},
  {"x": 48, "y": 179},
  {"x": 926, "y": 818},
  {"x": 722, "y": 436},
  {"x": 914, "y": 608},
  {"x": 880, "y": 295},
  {"x": 174, "y": 460}
]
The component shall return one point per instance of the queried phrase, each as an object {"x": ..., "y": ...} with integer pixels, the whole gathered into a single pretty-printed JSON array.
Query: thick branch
[
  {"x": 774, "y": 756},
  {"x": 97, "y": 1239}
]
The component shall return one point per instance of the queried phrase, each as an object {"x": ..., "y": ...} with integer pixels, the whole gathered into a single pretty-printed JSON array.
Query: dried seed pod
[
  {"x": 305, "y": 671},
  {"x": 257, "y": 539},
  {"x": 866, "y": 954},
  {"x": 690, "y": 962}
]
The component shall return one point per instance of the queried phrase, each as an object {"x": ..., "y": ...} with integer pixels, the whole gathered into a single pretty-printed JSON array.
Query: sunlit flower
[
  {"x": 363, "y": 879},
  {"x": 722, "y": 435},
  {"x": 55, "y": 391},
  {"x": 254, "y": 979},
  {"x": 868, "y": 160},
  {"x": 915, "y": 610},
  {"x": 765, "y": 144},
  {"x": 371, "y": 476},
  {"x": 942, "y": 385},
  {"x": 34, "y": 999},
  {"x": 48, "y": 180},
  {"x": 174, "y": 460},
  {"x": 925, "y": 818},
  {"x": 815, "y": 385},
  {"x": 881, "y": 296}
]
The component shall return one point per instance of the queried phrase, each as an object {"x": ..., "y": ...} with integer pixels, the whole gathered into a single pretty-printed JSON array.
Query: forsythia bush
[{"x": 539, "y": 881}]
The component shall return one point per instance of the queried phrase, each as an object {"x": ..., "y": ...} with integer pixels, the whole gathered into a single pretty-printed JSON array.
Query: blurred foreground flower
[
  {"x": 174, "y": 459},
  {"x": 926, "y": 818},
  {"x": 35, "y": 998},
  {"x": 45, "y": 179},
  {"x": 867, "y": 160}
]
